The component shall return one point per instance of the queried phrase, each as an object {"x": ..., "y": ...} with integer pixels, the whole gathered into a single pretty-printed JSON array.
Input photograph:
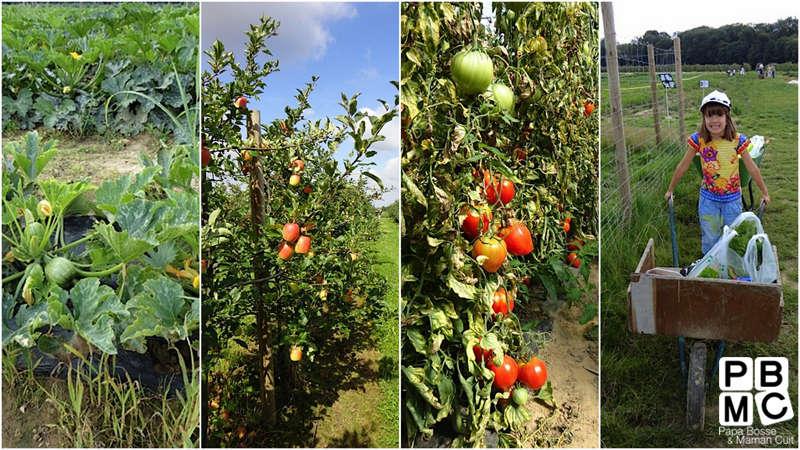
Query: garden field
[
  {"x": 100, "y": 226},
  {"x": 643, "y": 393}
]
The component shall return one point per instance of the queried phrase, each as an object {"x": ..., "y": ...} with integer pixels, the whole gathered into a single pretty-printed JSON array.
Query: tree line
[{"x": 735, "y": 44}]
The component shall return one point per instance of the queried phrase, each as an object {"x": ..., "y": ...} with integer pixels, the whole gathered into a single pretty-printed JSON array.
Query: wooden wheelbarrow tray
[{"x": 702, "y": 308}]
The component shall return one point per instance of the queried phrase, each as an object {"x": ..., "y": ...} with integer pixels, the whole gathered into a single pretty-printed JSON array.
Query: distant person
[
  {"x": 741, "y": 70},
  {"x": 760, "y": 70},
  {"x": 719, "y": 147}
]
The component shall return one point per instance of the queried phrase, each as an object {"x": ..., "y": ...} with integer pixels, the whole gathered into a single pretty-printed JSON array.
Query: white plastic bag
[
  {"x": 756, "y": 146},
  {"x": 714, "y": 264},
  {"x": 765, "y": 268},
  {"x": 748, "y": 225}
]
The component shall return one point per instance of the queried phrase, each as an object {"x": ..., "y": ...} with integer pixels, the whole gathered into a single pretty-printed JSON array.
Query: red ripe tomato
[
  {"x": 575, "y": 245},
  {"x": 588, "y": 108},
  {"x": 471, "y": 226},
  {"x": 566, "y": 225},
  {"x": 307, "y": 189},
  {"x": 205, "y": 157},
  {"x": 489, "y": 187},
  {"x": 494, "y": 249},
  {"x": 573, "y": 260},
  {"x": 291, "y": 231},
  {"x": 502, "y": 301},
  {"x": 481, "y": 353},
  {"x": 533, "y": 373},
  {"x": 303, "y": 244},
  {"x": 285, "y": 251},
  {"x": 518, "y": 239},
  {"x": 505, "y": 375},
  {"x": 507, "y": 191}
]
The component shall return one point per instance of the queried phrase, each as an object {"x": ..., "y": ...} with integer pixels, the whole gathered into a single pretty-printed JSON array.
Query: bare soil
[
  {"x": 29, "y": 419},
  {"x": 94, "y": 159},
  {"x": 572, "y": 368}
]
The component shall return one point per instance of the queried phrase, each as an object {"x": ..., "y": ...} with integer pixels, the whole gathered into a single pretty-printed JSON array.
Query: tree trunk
[{"x": 260, "y": 272}]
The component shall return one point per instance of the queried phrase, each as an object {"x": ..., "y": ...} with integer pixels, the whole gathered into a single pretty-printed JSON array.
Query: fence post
[
  {"x": 651, "y": 61},
  {"x": 260, "y": 273},
  {"x": 681, "y": 98},
  {"x": 621, "y": 153}
]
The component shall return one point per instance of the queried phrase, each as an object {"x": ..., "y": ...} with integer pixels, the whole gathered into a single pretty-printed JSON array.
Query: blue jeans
[{"x": 713, "y": 215}]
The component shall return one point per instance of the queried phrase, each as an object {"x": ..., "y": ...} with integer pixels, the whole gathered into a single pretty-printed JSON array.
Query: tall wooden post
[
  {"x": 651, "y": 61},
  {"x": 621, "y": 153},
  {"x": 681, "y": 98},
  {"x": 263, "y": 325}
]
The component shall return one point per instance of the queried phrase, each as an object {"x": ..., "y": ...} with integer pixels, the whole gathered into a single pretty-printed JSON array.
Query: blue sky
[{"x": 353, "y": 47}]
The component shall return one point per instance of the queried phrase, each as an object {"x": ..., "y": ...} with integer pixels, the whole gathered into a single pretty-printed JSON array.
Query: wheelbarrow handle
[
  {"x": 761, "y": 208},
  {"x": 672, "y": 232}
]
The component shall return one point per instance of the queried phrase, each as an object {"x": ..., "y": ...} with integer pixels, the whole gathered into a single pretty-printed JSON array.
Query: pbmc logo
[{"x": 737, "y": 379}]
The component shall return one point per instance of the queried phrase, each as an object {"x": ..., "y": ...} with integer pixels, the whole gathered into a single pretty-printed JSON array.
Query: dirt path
[{"x": 572, "y": 368}]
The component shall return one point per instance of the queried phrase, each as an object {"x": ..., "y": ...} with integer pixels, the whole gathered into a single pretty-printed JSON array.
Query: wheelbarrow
[
  {"x": 758, "y": 145},
  {"x": 663, "y": 302}
]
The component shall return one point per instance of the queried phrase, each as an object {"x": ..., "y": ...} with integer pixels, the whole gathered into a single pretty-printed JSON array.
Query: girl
[{"x": 719, "y": 147}]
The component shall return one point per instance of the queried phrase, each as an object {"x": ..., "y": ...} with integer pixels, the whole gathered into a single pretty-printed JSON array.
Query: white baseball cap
[{"x": 716, "y": 97}]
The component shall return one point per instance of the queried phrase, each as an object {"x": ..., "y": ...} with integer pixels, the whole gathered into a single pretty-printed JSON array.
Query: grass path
[
  {"x": 368, "y": 416},
  {"x": 643, "y": 394}
]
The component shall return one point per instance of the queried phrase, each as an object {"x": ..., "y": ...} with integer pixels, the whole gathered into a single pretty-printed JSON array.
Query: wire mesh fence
[{"x": 651, "y": 155}]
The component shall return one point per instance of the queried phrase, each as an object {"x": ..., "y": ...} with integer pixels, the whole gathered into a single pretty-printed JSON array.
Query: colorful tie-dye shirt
[{"x": 719, "y": 160}]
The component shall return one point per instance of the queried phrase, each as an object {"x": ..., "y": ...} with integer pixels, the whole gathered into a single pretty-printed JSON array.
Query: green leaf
[
  {"x": 61, "y": 195},
  {"x": 164, "y": 254},
  {"x": 374, "y": 178},
  {"x": 141, "y": 218},
  {"x": 416, "y": 376},
  {"x": 96, "y": 309},
  {"x": 124, "y": 247},
  {"x": 417, "y": 340},
  {"x": 412, "y": 188},
  {"x": 545, "y": 394},
  {"x": 461, "y": 289},
  {"x": 159, "y": 310}
]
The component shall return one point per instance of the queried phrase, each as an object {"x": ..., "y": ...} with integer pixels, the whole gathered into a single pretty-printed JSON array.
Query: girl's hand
[
  {"x": 668, "y": 195},
  {"x": 765, "y": 198}
]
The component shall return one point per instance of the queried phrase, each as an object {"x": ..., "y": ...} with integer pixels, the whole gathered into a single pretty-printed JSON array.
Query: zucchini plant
[{"x": 131, "y": 275}]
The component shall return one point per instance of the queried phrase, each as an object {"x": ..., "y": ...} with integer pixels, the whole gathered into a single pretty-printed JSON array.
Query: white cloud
[
  {"x": 389, "y": 173},
  {"x": 303, "y": 34},
  {"x": 369, "y": 73}
]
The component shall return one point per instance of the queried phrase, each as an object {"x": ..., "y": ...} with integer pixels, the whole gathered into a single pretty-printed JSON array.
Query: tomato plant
[
  {"x": 531, "y": 157},
  {"x": 288, "y": 235}
]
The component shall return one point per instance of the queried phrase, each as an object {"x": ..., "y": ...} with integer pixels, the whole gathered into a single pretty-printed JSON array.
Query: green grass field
[
  {"x": 643, "y": 393},
  {"x": 388, "y": 249}
]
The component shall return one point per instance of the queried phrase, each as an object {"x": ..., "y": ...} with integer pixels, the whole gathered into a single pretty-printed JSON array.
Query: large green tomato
[
  {"x": 472, "y": 71},
  {"x": 503, "y": 96}
]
